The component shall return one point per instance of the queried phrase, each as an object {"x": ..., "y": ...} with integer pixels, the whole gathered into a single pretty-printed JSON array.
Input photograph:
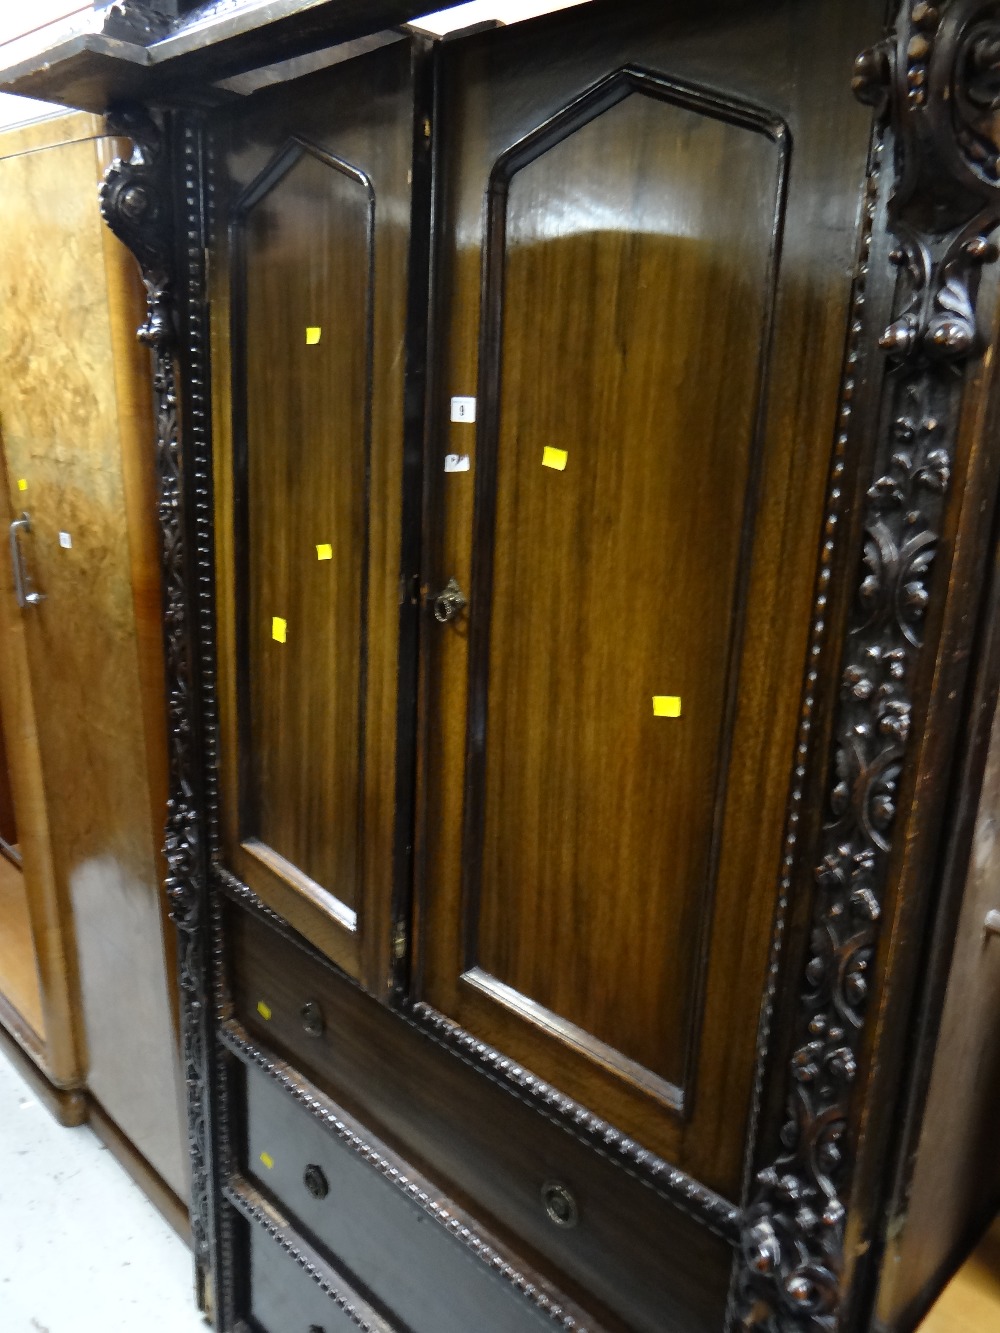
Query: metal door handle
[
  {"x": 22, "y": 583},
  {"x": 449, "y": 602}
]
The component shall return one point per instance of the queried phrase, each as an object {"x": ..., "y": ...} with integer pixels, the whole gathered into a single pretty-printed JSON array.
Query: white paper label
[
  {"x": 65, "y": 540},
  {"x": 463, "y": 409},
  {"x": 456, "y": 462}
]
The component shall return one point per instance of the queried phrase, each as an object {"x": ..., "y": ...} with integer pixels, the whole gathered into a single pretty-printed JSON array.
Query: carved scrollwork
[{"x": 936, "y": 83}]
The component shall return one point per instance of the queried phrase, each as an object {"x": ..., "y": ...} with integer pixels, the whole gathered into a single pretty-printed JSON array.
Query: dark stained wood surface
[
  {"x": 308, "y": 439},
  {"x": 634, "y": 1258},
  {"x": 435, "y": 1282},
  {"x": 284, "y": 1296},
  {"x": 631, "y": 862},
  {"x": 955, "y": 1184},
  {"x": 306, "y": 270},
  {"x": 614, "y": 580}
]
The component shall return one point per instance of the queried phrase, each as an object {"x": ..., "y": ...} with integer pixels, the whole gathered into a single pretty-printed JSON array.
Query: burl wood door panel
[
  {"x": 311, "y": 283},
  {"x": 631, "y": 285},
  {"x": 76, "y": 420}
]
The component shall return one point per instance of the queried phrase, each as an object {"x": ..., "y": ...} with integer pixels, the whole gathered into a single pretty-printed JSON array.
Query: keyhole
[{"x": 560, "y": 1205}]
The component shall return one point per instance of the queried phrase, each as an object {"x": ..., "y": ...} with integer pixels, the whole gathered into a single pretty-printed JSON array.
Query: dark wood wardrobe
[{"x": 578, "y": 483}]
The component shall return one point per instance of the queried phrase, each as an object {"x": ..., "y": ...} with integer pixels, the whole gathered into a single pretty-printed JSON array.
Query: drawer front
[
  {"x": 286, "y": 1298},
  {"x": 393, "y": 1247},
  {"x": 633, "y": 1257}
]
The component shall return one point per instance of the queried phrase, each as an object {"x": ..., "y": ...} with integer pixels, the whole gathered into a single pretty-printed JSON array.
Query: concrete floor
[{"x": 81, "y": 1248}]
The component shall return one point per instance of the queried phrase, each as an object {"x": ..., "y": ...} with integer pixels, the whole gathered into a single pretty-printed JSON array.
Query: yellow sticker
[
  {"x": 278, "y": 628},
  {"x": 22, "y": 485},
  {"x": 554, "y": 458},
  {"x": 324, "y": 551},
  {"x": 267, "y": 1159},
  {"x": 264, "y": 1010},
  {"x": 666, "y": 705},
  {"x": 313, "y": 336}
]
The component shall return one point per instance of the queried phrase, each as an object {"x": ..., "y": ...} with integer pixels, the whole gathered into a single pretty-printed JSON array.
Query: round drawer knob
[
  {"x": 315, "y": 1181},
  {"x": 312, "y": 1018},
  {"x": 560, "y": 1205}
]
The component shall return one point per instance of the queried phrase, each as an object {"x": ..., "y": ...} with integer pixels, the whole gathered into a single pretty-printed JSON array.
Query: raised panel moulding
[{"x": 560, "y": 716}]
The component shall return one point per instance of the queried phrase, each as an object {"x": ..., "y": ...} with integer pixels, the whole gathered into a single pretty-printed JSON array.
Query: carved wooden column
[
  {"x": 934, "y": 83},
  {"x": 137, "y": 204}
]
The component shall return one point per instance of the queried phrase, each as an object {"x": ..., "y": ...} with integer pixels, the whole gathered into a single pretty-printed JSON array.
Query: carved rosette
[
  {"x": 936, "y": 82},
  {"x": 135, "y": 204}
]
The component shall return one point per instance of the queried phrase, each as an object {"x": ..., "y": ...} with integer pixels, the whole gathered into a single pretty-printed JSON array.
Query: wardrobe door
[
  {"x": 636, "y": 401},
  {"x": 309, "y": 289}
]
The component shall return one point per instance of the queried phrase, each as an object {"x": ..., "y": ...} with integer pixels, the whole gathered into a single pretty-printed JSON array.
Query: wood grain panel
[
  {"x": 615, "y": 576},
  {"x": 498, "y": 89},
  {"x": 955, "y": 1185},
  {"x": 8, "y": 814},
  {"x": 57, "y": 1050},
  {"x": 18, "y": 969},
  {"x": 308, "y": 267},
  {"x": 62, "y": 438},
  {"x": 316, "y": 751}
]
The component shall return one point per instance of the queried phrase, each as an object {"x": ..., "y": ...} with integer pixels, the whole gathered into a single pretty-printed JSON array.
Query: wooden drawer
[
  {"x": 400, "y": 1243},
  {"x": 291, "y": 1290},
  {"x": 631, "y": 1248}
]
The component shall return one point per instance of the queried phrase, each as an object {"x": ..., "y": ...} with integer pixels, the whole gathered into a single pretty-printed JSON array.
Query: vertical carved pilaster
[
  {"x": 936, "y": 81},
  {"x": 136, "y": 204}
]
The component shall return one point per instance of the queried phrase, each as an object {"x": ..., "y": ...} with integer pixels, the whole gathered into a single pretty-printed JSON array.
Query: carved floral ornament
[{"x": 935, "y": 85}]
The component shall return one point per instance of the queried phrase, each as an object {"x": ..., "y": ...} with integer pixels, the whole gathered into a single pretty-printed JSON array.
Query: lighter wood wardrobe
[{"x": 87, "y": 955}]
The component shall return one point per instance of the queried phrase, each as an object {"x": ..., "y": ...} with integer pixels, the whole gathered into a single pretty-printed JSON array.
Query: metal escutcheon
[
  {"x": 560, "y": 1205},
  {"x": 315, "y": 1181},
  {"x": 312, "y": 1018},
  {"x": 449, "y": 602}
]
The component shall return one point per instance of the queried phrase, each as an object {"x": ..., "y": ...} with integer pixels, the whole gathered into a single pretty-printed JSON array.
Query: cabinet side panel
[{"x": 956, "y": 1182}]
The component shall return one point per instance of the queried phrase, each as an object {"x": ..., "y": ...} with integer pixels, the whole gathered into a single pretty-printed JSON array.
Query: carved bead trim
[
  {"x": 682, "y": 1191},
  {"x": 234, "y": 888},
  {"x": 248, "y": 1203},
  {"x": 238, "y": 1041},
  {"x": 941, "y": 60},
  {"x": 831, "y": 525},
  {"x": 198, "y": 187},
  {"x": 678, "y": 1188},
  {"x": 197, "y": 169}
]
